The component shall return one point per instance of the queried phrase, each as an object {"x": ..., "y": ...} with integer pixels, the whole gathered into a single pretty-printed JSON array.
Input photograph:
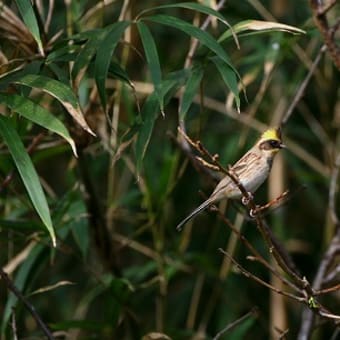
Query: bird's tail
[{"x": 199, "y": 209}]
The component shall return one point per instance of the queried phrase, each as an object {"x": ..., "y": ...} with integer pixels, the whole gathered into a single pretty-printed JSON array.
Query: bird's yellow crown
[{"x": 272, "y": 134}]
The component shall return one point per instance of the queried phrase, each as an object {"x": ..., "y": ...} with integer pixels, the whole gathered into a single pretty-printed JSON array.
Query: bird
[{"x": 252, "y": 169}]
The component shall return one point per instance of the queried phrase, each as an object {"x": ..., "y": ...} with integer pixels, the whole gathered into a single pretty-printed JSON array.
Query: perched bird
[{"x": 252, "y": 170}]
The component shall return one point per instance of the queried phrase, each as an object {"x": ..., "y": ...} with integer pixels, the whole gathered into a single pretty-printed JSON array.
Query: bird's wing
[
  {"x": 219, "y": 191},
  {"x": 243, "y": 163}
]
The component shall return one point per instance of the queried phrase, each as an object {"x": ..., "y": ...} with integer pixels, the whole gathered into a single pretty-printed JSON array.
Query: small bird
[{"x": 252, "y": 170}]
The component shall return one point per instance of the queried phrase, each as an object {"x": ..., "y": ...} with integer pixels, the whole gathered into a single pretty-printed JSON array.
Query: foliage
[{"x": 95, "y": 175}]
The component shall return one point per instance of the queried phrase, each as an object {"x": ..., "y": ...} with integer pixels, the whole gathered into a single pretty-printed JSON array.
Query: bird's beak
[{"x": 283, "y": 146}]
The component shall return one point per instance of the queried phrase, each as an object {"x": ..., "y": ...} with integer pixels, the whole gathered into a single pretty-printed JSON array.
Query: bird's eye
[{"x": 274, "y": 144}]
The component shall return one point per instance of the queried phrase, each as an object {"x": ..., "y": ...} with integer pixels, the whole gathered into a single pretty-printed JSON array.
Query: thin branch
[
  {"x": 333, "y": 190},
  {"x": 275, "y": 202},
  {"x": 252, "y": 313},
  {"x": 328, "y": 290},
  {"x": 332, "y": 275},
  {"x": 282, "y": 334},
  {"x": 248, "y": 274},
  {"x": 257, "y": 256},
  {"x": 49, "y": 16},
  {"x": 300, "y": 92},
  {"x": 328, "y": 32},
  {"x": 10, "y": 285},
  {"x": 329, "y": 256}
]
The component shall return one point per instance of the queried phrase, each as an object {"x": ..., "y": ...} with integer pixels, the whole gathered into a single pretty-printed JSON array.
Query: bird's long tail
[{"x": 199, "y": 209}]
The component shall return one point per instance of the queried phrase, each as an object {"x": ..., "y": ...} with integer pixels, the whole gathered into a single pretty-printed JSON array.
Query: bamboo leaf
[
  {"x": 204, "y": 37},
  {"x": 28, "y": 15},
  {"x": 260, "y": 27},
  {"x": 152, "y": 58},
  {"x": 193, "y": 6},
  {"x": 190, "y": 91},
  {"x": 27, "y": 173},
  {"x": 149, "y": 114},
  {"x": 104, "y": 55},
  {"x": 85, "y": 56},
  {"x": 37, "y": 114},
  {"x": 229, "y": 77},
  {"x": 61, "y": 92}
]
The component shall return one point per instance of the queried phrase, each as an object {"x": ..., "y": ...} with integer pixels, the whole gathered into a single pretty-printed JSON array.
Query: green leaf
[
  {"x": 27, "y": 173},
  {"x": 195, "y": 32},
  {"x": 11, "y": 76},
  {"x": 229, "y": 77},
  {"x": 260, "y": 27},
  {"x": 37, "y": 114},
  {"x": 28, "y": 15},
  {"x": 190, "y": 91},
  {"x": 149, "y": 114},
  {"x": 79, "y": 226},
  {"x": 104, "y": 55},
  {"x": 79, "y": 37},
  {"x": 191, "y": 5},
  {"x": 152, "y": 59},
  {"x": 61, "y": 92},
  {"x": 116, "y": 71},
  {"x": 85, "y": 56},
  {"x": 64, "y": 53}
]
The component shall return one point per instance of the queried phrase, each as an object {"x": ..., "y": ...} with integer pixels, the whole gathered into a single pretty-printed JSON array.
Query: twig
[
  {"x": 328, "y": 290},
  {"x": 300, "y": 92},
  {"x": 252, "y": 313},
  {"x": 257, "y": 256},
  {"x": 328, "y": 33},
  {"x": 10, "y": 285},
  {"x": 282, "y": 334},
  {"x": 275, "y": 201},
  {"x": 248, "y": 274},
  {"x": 328, "y": 258},
  {"x": 333, "y": 190},
  {"x": 333, "y": 274},
  {"x": 49, "y": 16}
]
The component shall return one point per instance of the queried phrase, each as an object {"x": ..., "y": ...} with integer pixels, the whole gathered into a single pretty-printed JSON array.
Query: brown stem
[
  {"x": 308, "y": 315},
  {"x": 300, "y": 92},
  {"x": 321, "y": 21},
  {"x": 248, "y": 274},
  {"x": 252, "y": 313},
  {"x": 10, "y": 285}
]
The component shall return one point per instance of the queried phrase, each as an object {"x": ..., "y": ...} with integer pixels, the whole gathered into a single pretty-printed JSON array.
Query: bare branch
[
  {"x": 252, "y": 313},
  {"x": 248, "y": 274},
  {"x": 333, "y": 190},
  {"x": 10, "y": 285},
  {"x": 328, "y": 32},
  {"x": 300, "y": 92}
]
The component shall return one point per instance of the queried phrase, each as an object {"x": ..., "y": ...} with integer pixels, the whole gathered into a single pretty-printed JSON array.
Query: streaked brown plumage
[{"x": 252, "y": 170}]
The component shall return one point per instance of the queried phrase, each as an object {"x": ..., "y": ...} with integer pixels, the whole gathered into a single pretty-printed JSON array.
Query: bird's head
[{"x": 270, "y": 141}]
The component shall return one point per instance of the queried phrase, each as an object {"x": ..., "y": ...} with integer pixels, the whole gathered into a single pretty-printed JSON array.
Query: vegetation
[{"x": 117, "y": 119}]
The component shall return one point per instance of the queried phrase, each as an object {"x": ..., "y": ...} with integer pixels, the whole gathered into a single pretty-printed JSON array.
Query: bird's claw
[
  {"x": 253, "y": 213},
  {"x": 245, "y": 200}
]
